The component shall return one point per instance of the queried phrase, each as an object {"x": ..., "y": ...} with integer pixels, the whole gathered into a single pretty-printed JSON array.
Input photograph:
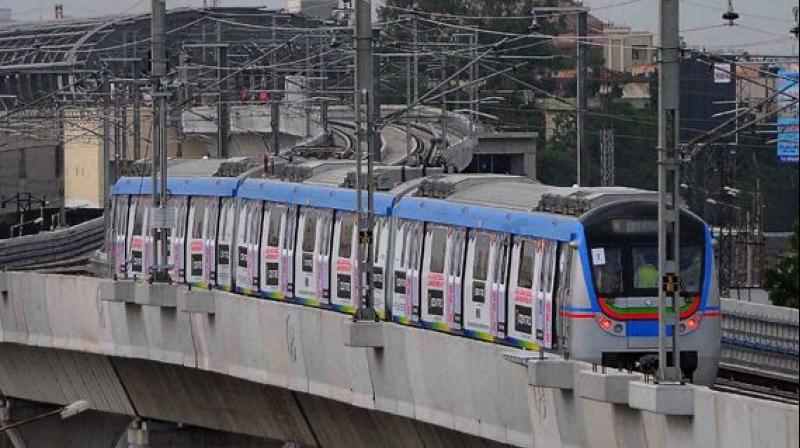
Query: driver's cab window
[
  {"x": 645, "y": 267},
  {"x": 607, "y": 270}
]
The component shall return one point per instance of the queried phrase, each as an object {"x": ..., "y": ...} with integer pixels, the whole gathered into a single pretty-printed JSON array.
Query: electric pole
[
  {"x": 275, "y": 107},
  {"x": 60, "y": 167},
  {"x": 106, "y": 111},
  {"x": 364, "y": 83},
  {"x": 669, "y": 200},
  {"x": 223, "y": 110},
  {"x": 161, "y": 221},
  {"x": 581, "y": 97}
]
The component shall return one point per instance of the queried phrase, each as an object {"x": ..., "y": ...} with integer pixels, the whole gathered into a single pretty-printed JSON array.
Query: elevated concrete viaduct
[{"x": 283, "y": 372}]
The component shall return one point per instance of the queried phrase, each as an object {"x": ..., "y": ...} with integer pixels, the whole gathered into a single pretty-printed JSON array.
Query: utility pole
[
  {"x": 474, "y": 90},
  {"x": 137, "y": 113},
  {"x": 223, "y": 110},
  {"x": 60, "y": 168},
  {"x": 364, "y": 83},
  {"x": 669, "y": 200},
  {"x": 106, "y": 111},
  {"x": 375, "y": 98},
  {"x": 123, "y": 124},
  {"x": 275, "y": 107},
  {"x": 443, "y": 100},
  {"x": 409, "y": 102},
  {"x": 161, "y": 220},
  {"x": 581, "y": 102},
  {"x": 415, "y": 47}
]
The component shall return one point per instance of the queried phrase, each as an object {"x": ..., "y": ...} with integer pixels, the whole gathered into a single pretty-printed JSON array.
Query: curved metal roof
[{"x": 44, "y": 57}]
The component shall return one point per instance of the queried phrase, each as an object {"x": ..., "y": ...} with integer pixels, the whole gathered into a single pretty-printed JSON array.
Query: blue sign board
[
  {"x": 787, "y": 121},
  {"x": 788, "y": 150}
]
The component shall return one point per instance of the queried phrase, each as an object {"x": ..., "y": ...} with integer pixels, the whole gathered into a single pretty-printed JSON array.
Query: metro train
[{"x": 498, "y": 258}]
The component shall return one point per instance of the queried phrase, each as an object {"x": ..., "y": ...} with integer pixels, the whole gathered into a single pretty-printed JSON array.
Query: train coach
[{"x": 497, "y": 258}]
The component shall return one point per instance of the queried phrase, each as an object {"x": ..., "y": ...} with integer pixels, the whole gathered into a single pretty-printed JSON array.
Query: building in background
[
  {"x": 322, "y": 9},
  {"x": 624, "y": 49},
  {"x": 325, "y": 9}
]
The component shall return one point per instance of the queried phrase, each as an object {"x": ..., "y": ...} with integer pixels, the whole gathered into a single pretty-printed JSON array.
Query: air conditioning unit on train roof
[
  {"x": 435, "y": 187},
  {"x": 235, "y": 167},
  {"x": 574, "y": 204}
]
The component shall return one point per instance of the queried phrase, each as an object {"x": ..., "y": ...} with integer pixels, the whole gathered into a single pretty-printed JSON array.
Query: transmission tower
[
  {"x": 606, "y": 134},
  {"x": 607, "y": 155}
]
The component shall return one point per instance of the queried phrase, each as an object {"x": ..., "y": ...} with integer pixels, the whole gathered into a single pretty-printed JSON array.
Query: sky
[{"x": 763, "y": 27}]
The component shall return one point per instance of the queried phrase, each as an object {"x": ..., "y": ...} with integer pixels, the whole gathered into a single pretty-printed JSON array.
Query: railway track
[{"x": 757, "y": 383}]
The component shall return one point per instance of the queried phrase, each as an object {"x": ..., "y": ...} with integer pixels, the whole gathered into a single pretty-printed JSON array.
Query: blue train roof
[
  {"x": 309, "y": 195},
  {"x": 179, "y": 186},
  {"x": 541, "y": 225}
]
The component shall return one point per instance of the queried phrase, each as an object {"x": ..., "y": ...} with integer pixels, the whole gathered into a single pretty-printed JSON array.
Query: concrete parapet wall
[
  {"x": 429, "y": 377},
  {"x": 761, "y": 338}
]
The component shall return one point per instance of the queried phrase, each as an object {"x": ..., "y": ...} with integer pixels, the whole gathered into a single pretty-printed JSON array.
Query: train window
[
  {"x": 438, "y": 249},
  {"x": 346, "y": 238},
  {"x": 377, "y": 241},
  {"x": 502, "y": 259},
  {"x": 274, "y": 230},
  {"x": 414, "y": 231},
  {"x": 401, "y": 251},
  {"x": 525, "y": 274},
  {"x": 645, "y": 267},
  {"x": 458, "y": 252},
  {"x": 138, "y": 218},
  {"x": 608, "y": 275},
  {"x": 120, "y": 215},
  {"x": 309, "y": 231},
  {"x": 691, "y": 269},
  {"x": 546, "y": 283},
  {"x": 480, "y": 266},
  {"x": 291, "y": 225},
  {"x": 226, "y": 221},
  {"x": 199, "y": 212}
]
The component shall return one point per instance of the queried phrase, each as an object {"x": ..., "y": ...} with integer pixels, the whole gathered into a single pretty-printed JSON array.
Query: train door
[
  {"x": 117, "y": 251},
  {"x": 345, "y": 282},
  {"x": 406, "y": 276},
  {"x": 290, "y": 215},
  {"x": 500, "y": 283},
  {"x": 227, "y": 230},
  {"x": 544, "y": 294},
  {"x": 521, "y": 294},
  {"x": 177, "y": 239},
  {"x": 247, "y": 238},
  {"x": 277, "y": 246},
  {"x": 272, "y": 223},
  {"x": 562, "y": 296},
  {"x": 201, "y": 232},
  {"x": 311, "y": 263},
  {"x": 382, "y": 239},
  {"x": 484, "y": 285},
  {"x": 140, "y": 240},
  {"x": 439, "y": 284},
  {"x": 455, "y": 267}
]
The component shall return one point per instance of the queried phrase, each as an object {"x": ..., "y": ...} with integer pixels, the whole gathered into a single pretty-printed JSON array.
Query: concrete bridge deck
[{"x": 283, "y": 371}]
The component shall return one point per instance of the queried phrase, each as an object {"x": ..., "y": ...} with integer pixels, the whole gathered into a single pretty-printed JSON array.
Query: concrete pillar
[{"x": 138, "y": 435}]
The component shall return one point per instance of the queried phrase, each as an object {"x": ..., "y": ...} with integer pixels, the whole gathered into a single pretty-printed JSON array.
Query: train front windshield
[{"x": 623, "y": 249}]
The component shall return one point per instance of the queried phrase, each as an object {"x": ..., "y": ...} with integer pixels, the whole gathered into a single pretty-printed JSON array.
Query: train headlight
[
  {"x": 691, "y": 324},
  {"x": 610, "y": 326}
]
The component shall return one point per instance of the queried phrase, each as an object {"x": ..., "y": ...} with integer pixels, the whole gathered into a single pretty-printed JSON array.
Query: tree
[{"x": 783, "y": 281}]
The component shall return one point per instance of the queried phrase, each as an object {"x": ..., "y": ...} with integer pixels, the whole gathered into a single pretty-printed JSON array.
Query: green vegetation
[{"x": 783, "y": 281}]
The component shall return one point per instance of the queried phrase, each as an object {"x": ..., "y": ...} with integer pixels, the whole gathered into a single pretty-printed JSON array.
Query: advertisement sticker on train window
[{"x": 598, "y": 256}]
